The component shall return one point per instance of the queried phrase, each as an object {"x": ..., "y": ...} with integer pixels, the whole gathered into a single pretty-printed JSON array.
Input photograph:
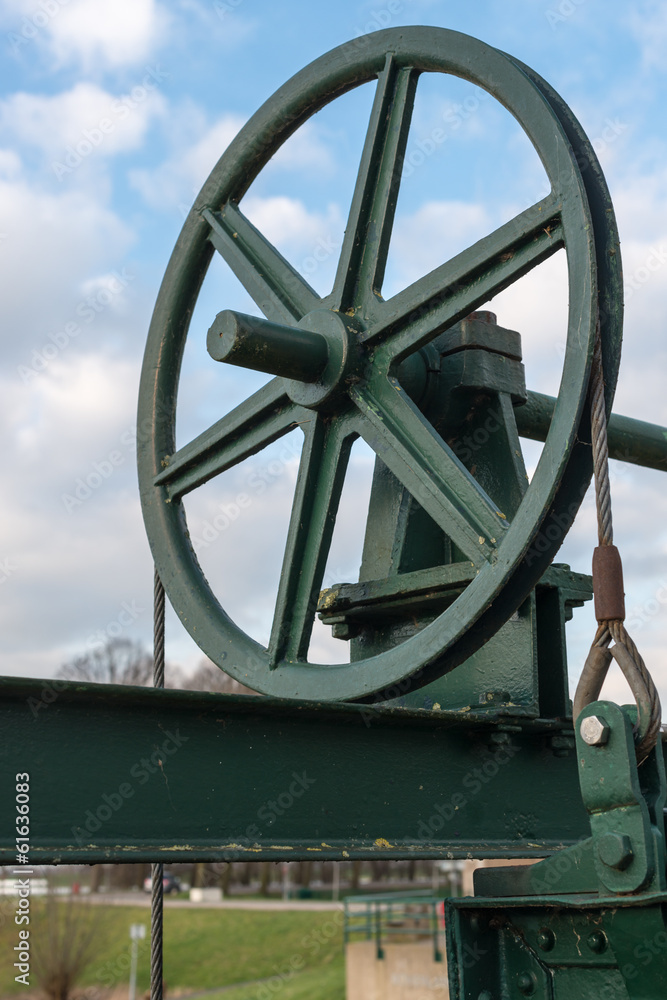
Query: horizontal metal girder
[
  {"x": 630, "y": 440},
  {"x": 121, "y": 773}
]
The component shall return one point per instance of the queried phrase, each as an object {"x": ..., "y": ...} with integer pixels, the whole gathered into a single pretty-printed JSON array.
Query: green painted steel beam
[
  {"x": 630, "y": 440},
  {"x": 133, "y": 774}
]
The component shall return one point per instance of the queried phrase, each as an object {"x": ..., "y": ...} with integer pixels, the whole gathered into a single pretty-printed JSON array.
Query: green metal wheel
[{"x": 337, "y": 362}]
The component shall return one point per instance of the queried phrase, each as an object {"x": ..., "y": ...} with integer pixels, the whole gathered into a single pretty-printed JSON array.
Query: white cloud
[
  {"x": 180, "y": 177},
  {"x": 70, "y": 435},
  {"x": 305, "y": 151},
  {"x": 10, "y": 164},
  {"x": 649, "y": 27},
  {"x": 53, "y": 245},
  {"x": 287, "y": 221},
  {"x": 116, "y": 34},
  {"x": 87, "y": 119},
  {"x": 430, "y": 236},
  {"x": 94, "y": 35}
]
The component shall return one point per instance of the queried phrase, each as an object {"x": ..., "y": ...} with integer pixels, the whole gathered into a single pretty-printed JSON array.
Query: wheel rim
[{"x": 391, "y": 330}]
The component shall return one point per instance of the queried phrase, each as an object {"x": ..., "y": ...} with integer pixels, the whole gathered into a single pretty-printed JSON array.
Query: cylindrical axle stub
[
  {"x": 608, "y": 584},
  {"x": 267, "y": 347}
]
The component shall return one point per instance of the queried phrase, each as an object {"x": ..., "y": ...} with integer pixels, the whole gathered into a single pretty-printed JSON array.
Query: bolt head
[
  {"x": 594, "y": 731},
  {"x": 615, "y": 850}
]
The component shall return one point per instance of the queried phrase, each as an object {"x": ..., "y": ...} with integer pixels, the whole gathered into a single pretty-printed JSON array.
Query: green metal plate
[
  {"x": 558, "y": 948},
  {"x": 121, "y": 774}
]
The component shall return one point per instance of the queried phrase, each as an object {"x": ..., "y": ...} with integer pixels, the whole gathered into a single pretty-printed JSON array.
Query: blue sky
[{"x": 150, "y": 93}]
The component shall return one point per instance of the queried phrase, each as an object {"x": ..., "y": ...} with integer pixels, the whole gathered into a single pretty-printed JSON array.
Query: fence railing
[{"x": 395, "y": 916}]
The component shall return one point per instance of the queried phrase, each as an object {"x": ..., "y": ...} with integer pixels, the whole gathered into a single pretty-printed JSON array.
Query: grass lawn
[
  {"x": 324, "y": 983},
  {"x": 204, "y": 949}
]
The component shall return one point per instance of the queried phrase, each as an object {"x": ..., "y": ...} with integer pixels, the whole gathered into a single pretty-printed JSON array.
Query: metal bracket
[
  {"x": 588, "y": 921},
  {"x": 625, "y": 804}
]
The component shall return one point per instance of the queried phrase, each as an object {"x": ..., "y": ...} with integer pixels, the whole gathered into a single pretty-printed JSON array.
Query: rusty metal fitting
[{"x": 608, "y": 584}]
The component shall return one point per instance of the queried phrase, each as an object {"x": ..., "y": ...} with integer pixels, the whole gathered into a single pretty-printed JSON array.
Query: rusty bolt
[
  {"x": 594, "y": 731},
  {"x": 615, "y": 850}
]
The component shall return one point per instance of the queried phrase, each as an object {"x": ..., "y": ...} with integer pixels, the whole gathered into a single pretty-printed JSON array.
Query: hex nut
[
  {"x": 615, "y": 850},
  {"x": 594, "y": 731}
]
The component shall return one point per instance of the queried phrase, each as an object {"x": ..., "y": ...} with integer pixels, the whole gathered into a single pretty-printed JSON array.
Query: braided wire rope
[
  {"x": 624, "y": 651},
  {"x": 157, "y": 870}
]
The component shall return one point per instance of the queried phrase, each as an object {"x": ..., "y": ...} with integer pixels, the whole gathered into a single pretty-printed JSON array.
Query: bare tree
[
  {"x": 208, "y": 677},
  {"x": 65, "y": 945},
  {"x": 118, "y": 661}
]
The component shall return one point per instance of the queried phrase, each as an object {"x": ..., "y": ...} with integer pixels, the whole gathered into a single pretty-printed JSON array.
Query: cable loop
[{"x": 611, "y": 627}]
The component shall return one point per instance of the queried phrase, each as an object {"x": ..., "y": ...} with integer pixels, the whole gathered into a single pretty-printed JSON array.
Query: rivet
[
  {"x": 546, "y": 939},
  {"x": 526, "y": 984},
  {"x": 597, "y": 942}
]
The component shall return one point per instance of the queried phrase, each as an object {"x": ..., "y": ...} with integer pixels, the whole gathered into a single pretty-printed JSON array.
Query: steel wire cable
[
  {"x": 624, "y": 651},
  {"x": 157, "y": 870}
]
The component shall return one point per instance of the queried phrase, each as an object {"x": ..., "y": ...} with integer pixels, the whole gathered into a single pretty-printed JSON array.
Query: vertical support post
[
  {"x": 137, "y": 931},
  {"x": 157, "y": 870},
  {"x": 379, "y": 950},
  {"x": 335, "y": 887},
  {"x": 133, "y": 969},
  {"x": 433, "y": 916}
]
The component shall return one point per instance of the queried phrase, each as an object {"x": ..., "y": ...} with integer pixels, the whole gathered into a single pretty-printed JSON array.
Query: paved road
[{"x": 266, "y": 905}]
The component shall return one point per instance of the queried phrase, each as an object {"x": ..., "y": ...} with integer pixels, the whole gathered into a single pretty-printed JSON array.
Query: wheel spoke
[
  {"x": 265, "y": 416},
  {"x": 456, "y": 288},
  {"x": 366, "y": 243},
  {"x": 275, "y": 286},
  {"x": 321, "y": 474},
  {"x": 416, "y": 454}
]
